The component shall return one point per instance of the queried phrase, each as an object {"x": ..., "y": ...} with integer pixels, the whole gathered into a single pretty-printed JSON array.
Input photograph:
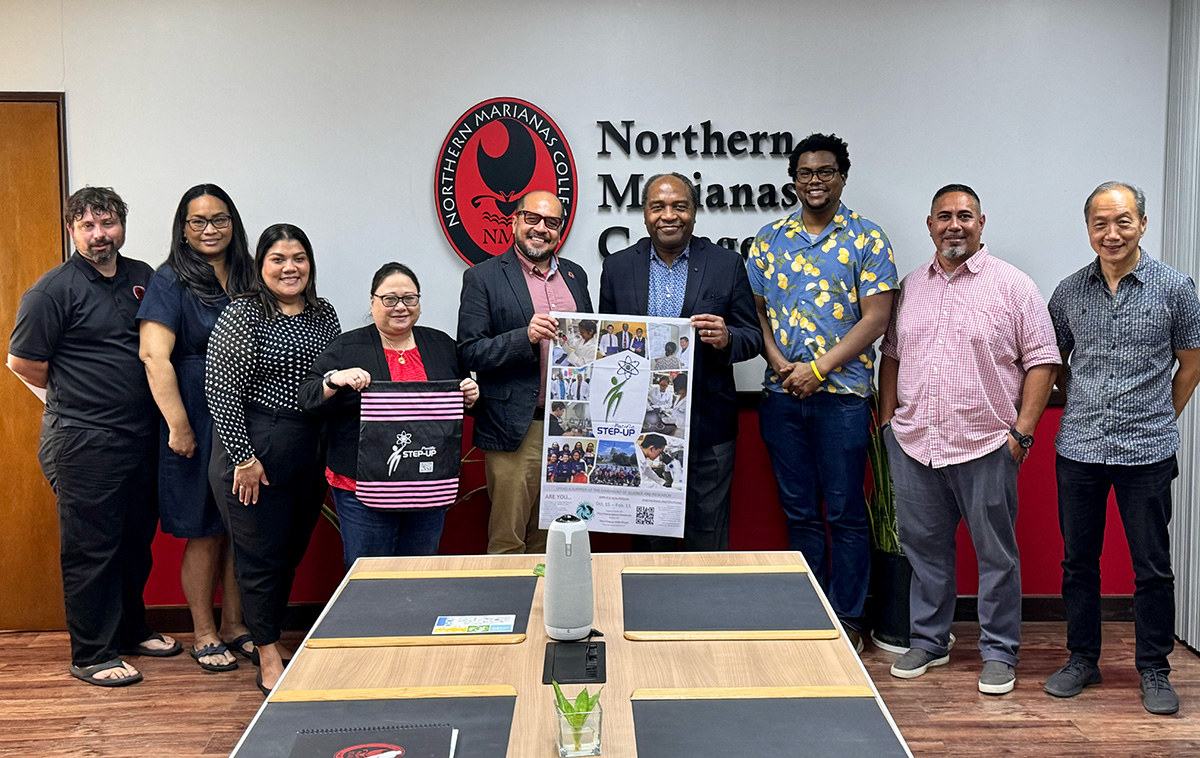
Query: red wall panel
[{"x": 756, "y": 523}]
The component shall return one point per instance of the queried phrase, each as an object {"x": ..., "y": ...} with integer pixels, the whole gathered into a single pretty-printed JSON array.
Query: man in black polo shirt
[{"x": 76, "y": 338}]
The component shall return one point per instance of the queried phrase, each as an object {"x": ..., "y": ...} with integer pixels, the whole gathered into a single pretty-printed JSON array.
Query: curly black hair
[{"x": 816, "y": 142}]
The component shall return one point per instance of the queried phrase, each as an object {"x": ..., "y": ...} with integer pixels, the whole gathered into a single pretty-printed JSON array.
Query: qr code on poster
[{"x": 644, "y": 515}]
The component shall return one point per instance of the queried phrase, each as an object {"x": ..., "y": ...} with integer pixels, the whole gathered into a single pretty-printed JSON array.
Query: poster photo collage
[{"x": 618, "y": 390}]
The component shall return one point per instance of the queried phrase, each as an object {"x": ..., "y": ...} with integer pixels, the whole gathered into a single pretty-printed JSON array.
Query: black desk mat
[
  {"x": 723, "y": 602},
  {"x": 833, "y": 727},
  {"x": 410, "y": 607},
  {"x": 483, "y": 723}
]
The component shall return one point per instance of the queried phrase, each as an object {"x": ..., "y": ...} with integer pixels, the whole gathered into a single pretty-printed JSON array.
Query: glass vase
[{"x": 579, "y": 733}]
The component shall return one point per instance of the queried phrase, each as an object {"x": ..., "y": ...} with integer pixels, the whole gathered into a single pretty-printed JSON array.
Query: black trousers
[
  {"x": 706, "y": 520},
  {"x": 269, "y": 537},
  {"x": 1144, "y": 500},
  {"x": 107, "y": 493}
]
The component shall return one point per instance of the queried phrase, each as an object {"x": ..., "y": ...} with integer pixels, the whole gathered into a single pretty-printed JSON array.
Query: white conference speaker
[{"x": 568, "y": 610}]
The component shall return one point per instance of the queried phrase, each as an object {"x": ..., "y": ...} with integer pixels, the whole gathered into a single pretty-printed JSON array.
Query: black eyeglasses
[
  {"x": 199, "y": 224},
  {"x": 531, "y": 218},
  {"x": 391, "y": 301},
  {"x": 824, "y": 174}
]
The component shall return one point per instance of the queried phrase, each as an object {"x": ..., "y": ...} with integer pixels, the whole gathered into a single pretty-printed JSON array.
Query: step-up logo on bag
[
  {"x": 399, "y": 452},
  {"x": 497, "y": 151}
]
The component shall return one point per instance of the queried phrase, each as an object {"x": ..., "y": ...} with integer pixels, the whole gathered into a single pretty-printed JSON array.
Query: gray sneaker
[
  {"x": 1070, "y": 680},
  {"x": 997, "y": 678},
  {"x": 915, "y": 662},
  {"x": 1158, "y": 696}
]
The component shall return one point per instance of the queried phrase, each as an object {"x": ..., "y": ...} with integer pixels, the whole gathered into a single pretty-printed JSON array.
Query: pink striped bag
[{"x": 410, "y": 444}]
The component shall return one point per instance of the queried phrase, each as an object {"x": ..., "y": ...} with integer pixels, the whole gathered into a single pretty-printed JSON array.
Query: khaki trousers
[{"x": 514, "y": 484}]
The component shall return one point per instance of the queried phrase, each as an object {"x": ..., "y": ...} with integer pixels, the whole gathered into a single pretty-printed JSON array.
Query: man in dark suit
[
  {"x": 673, "y": 274},
  {"x": 504, "y": 335},
  {"x": 625, "y": 339}
]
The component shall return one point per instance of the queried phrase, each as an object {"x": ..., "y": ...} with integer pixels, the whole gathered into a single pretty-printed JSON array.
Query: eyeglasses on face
[
  {"x": 199, "y": 223},
  {"x": 824, "y": 174},
  {"x": 552, "y": 222},
  {"x": 391, "y": 301}
]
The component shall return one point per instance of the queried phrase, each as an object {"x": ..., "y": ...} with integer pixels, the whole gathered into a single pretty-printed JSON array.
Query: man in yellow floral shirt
[{"x": 822, "y": 279}]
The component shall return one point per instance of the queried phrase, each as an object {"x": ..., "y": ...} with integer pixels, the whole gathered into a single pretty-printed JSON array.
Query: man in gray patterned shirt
[{"x": 1123, "y": 323}]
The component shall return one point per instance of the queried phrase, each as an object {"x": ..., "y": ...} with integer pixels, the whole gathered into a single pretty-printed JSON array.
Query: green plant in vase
[{"x": 576, "y": 713}]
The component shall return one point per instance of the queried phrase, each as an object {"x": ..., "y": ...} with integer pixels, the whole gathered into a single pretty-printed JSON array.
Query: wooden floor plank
[
  {"x": 190, "y": 714},
  {"x": 943, "y": 714}
]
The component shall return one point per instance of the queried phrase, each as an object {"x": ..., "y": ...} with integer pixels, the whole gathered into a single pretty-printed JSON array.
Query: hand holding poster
[{"x": 616, "y": 433}]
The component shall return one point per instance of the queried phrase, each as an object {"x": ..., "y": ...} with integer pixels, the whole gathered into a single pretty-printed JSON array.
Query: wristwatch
[
  {"x": 1024, "y": 440},
  {"x": 335, "y": 387}
]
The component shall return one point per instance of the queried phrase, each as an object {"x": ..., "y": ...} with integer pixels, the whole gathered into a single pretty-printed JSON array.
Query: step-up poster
[{"x": 618, "y": 399}]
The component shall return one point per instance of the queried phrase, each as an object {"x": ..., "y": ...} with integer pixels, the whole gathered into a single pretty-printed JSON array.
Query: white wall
[{"x": 331, "y": 117}]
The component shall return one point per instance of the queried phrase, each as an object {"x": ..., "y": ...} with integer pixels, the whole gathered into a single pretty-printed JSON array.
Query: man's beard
[
  {"x": 535, "y": 256},
  {"x": 954, "y": 252},
  {"x": 816, "y": 207},
  {"x": 102, "y": 258}
]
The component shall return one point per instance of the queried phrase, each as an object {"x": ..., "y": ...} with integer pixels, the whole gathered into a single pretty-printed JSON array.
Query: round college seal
[{"x": 497, "y": 151}]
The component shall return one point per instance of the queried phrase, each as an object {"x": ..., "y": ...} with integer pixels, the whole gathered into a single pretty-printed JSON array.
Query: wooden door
[{"x": 32, "y": 241}]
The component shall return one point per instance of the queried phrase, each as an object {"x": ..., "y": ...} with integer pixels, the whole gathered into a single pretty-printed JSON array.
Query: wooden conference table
[{"x": 328, "y": 674}]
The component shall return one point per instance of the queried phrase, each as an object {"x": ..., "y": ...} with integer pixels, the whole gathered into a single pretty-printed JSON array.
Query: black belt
[{"x": 287, "y": 413}]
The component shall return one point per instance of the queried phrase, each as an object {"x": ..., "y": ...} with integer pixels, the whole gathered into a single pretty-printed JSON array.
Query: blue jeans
[
  {"x": 818, "y": 448},
  {"x": 1144, "y": 501},
  {"x": 377, "y": 532}
]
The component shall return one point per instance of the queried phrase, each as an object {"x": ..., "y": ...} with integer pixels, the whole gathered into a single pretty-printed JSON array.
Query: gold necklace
[{"x": 399, "y": 351}]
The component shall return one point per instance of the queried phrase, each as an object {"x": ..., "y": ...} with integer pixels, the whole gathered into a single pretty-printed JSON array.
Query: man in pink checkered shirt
[{"x": 968, "y": 364}]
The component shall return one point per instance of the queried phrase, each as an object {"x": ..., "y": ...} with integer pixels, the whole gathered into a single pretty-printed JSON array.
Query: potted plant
[
  {"x": 578, "y": 723},
  {"x": 891, "y": 573}
]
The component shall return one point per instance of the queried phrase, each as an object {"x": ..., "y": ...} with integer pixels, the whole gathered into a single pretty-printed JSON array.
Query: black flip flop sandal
[
  {"x": 150, "y": 652},
  {"x": 238, "y": 646},
  {"x": 216, "y": 648},
  {"x": 266, "y": 691},
  {"x": 88, "y": 674}
]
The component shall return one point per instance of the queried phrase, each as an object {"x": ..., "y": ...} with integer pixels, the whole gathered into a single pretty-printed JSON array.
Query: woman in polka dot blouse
[{"x": 268, "y": 471}]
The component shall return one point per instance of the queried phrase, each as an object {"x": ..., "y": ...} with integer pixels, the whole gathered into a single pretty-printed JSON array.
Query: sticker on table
[{"x": 474, "y": 624}]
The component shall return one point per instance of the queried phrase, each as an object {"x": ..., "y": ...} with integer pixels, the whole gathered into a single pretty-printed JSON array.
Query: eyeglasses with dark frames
[
  {"x": 552, "y": 222},
  {"x": 391, "y": 301},
  {"x": 805, "y": 176},
  {"x": 199, "y": 223}
]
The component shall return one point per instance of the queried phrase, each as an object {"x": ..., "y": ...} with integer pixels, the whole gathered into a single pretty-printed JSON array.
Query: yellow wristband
[
  {"x": 246, "y": 464},
  {"x": 815, "y": 372}
]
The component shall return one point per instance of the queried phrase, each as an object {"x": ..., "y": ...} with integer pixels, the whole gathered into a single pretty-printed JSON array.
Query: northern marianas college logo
[{"x": 497, "y": 151}]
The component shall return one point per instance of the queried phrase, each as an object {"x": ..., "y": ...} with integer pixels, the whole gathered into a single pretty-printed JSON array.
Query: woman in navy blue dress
[{"x": 208, "y": 264}]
